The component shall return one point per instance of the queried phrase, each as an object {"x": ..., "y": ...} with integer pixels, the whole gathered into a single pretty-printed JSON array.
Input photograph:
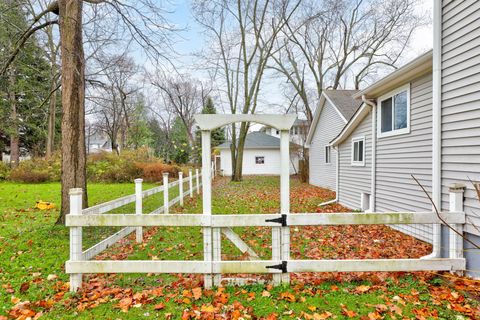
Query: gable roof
[
  {"x": 256, "y": 140},
  {"x": 417, "y": 67},
  {"x": 342, "y": 101}
]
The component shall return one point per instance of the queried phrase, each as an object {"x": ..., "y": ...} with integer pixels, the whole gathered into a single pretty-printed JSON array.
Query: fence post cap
[
  {"x": 180, "y": 173},
  {"x": 75, "y": 191},
  {"x": 139, "y": 180},
  {"x": 456, "y": 187},
  {"x": 165, "y": 174}
]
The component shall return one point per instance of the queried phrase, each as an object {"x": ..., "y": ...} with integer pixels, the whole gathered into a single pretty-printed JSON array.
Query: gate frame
[{"x": 280, "y": 235}]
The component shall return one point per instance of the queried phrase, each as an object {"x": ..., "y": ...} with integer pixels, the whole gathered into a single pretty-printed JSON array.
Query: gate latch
[
  {"x": 282, "y": 266},
  {"x": 282, "y": 220}
]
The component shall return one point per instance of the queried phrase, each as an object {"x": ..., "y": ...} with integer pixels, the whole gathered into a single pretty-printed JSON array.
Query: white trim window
[
  {"x": 259, "y": 160},
  {"x": 328, "y": 154},
  {"x": 394, "y": 112},
  {"x": 358, "y": 151}
]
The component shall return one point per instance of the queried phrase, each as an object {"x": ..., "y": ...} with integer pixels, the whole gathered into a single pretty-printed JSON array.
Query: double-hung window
[
  {"x": 394, "y": 113},
  {"x": 358, "y": 151},
  {"x": 328, "y": 158},
  {"x": 259, "y": 160}
]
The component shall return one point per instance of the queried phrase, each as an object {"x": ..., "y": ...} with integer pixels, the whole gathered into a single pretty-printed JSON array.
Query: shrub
[
  {"x": 4, "y": 170},
  {"x": 153, "y": 171},
  {"x": 36, "y": 171}
]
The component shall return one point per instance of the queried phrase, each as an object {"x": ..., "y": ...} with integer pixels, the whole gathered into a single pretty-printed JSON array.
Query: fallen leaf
[{"x": 197, "y": 293}]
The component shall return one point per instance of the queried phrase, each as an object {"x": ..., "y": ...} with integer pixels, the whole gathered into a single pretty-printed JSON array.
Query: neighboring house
[
  {"x": 387, "y": 140},
  {"x": 98, "y": 142},
  {"x": 261, "y": 156},
  {"x": 298, "y": 132},
  {"x": 336, "y": 107}
]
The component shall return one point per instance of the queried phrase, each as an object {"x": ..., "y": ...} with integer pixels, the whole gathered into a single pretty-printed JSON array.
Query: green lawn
[{"x": 33, "y": 252}]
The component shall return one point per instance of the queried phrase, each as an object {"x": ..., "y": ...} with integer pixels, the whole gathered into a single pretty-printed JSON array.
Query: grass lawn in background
[{"x": 33, "y": 252}]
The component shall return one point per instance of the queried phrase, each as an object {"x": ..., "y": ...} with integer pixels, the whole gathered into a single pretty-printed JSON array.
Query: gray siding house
[
  {"x": 456, "y": 119},
  {"x": 395, "y": 127},
  {"x": 336, "y": 107}
]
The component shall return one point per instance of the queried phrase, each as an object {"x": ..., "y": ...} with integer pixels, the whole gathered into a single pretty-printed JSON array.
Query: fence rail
[{"x": 101, "y": 209}]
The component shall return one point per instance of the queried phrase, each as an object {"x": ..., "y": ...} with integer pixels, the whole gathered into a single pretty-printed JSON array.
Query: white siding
[
  {"x": 328, "y": 127},
  {"x": 353, "y": 180},
  {"x": 398, "y": 157},
  {"x": 270, "y": 167},
  {"x": 461, "y": 102}
]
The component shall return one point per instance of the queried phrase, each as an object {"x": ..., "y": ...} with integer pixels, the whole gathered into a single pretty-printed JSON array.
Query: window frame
[
  {"x": 391, "y": 94},
  {"x": 256, "y": 163},
  {"x": 358, "y": 163},
  {"x": 329, "y": 154}
]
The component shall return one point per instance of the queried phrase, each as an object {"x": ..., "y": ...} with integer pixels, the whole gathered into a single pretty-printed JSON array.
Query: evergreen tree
[
  {"x": 218, "y": 135},
  {"x": 181, "y": 151}
]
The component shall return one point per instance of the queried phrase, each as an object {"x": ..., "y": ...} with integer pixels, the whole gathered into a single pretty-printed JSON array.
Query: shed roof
[{"x": 257, "y": 140}]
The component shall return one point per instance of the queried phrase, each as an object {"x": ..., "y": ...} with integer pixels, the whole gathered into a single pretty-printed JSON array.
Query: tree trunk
[
  {"x": 73, "y": 103},
  {"x": 51, "y": 120},
  {"x": 14, "y": 135},
  {"x": 237, "y": 176}
]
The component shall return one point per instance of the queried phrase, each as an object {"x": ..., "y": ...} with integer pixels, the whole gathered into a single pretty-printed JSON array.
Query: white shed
[{"x": 261, "y": 156}]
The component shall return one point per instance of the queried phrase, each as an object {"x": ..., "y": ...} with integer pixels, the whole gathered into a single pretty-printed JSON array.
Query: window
[
  {"x": 259, "y": 160},
  {"x": 358, "y": 151},
  {"x": 394, "y": 110},
  {"x": 328, "y": 151}
]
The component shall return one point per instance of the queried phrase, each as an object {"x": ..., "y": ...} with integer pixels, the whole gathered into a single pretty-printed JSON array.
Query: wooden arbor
[{"x": 280, "y": 235}]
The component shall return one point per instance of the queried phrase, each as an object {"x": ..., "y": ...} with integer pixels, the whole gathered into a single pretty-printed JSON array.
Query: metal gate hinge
[
  {"x": 282, "y": 220},
  {"x": 282, "y": 266}
]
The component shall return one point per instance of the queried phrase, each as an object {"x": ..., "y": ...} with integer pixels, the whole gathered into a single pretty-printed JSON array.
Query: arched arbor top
[{"x": 208, "y": 122}]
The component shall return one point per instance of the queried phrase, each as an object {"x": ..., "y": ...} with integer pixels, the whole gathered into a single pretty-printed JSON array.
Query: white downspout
[
  {"x": 436, "y": 125},
  {"x": 373, "y": 190}
]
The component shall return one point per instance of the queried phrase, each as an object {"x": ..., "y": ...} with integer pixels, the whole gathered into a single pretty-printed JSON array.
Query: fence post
[
  {"x": 138, "y": 207},
  {"x": 180, "y": 187},
  {"x": 285, "y": 197},
  {"x": 165, "y": 192},
  {"x": 208, "y": 255},
  {"x": 190, "y": 182},
  {"x": 456, "y": 205},
  {"x": 197, "y": 177},
  {"x": 75, "y": 237}
]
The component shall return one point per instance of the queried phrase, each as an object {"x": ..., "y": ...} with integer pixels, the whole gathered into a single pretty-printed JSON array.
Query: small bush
[
  {"x": 153, "y": 171},
  {"x": 36, "y": 171},
  {"x": 4, "y": 170}
]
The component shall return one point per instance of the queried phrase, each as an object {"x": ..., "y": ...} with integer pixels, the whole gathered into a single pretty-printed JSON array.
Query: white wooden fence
[
  {"x": 103, "y": 208},
  {"x": 212, "y": 265}
]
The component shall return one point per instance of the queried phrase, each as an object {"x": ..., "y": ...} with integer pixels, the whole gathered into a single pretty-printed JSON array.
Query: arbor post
[
  {"x": 207, "y": 201},
  {"x": 180, "y": 187},
  {"x": 165, "y": 192},
  {"x": 190, "y": 182},
  {"x": 456, "y": 205},
  {"x": 75, "y": 237},
  {"x": 285, "y": 197},
  {"x": 138, "y": 208}
]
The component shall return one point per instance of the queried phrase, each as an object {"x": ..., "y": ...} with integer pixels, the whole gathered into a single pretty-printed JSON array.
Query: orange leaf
[
  {"x": 197, "y": 293},
  {"x": 159, "y": 306}
]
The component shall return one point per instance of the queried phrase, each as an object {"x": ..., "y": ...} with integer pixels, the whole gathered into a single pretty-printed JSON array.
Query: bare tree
[
  {"x": 113, "y": 97},
  {"x": 142, "y": 20},
  {"x": 339, "y": 43},
  {"x": 184, "y": 97},
  {"x": 243, "y": 35}
]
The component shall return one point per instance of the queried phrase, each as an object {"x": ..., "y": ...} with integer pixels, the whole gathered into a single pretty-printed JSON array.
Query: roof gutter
[
  {"x": 437, "y": 126},
  {"x": 373, "y": 104}
]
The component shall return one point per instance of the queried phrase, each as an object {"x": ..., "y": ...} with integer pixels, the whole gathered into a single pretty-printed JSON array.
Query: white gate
[{"x": 280, "y": 265}]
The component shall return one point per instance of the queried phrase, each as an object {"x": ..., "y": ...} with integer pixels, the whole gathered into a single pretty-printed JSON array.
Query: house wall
[
  {"x": 328, "y": 127},
  {"x": 353, "y": 180},
  {"x": 270, "y": 167},
  {"x": 400, "y": 156},
  {"x": 461, "y": 110}
]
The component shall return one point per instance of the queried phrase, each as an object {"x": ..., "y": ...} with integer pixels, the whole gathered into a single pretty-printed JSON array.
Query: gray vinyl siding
[
  {"x": 461, "y": 103},
  {"x": 398, "y": 157},
  {"x": 354, "y": 180},
  {"x": 328, "y": 127}
]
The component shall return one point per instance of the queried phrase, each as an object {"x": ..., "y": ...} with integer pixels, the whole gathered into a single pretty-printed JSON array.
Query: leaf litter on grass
[{"x": 311, "y": 295}]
